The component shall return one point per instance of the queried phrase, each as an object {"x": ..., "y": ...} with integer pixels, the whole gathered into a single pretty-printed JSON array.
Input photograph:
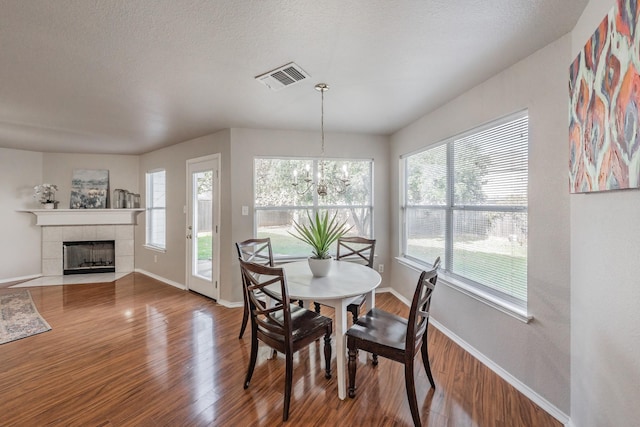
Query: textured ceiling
[{"x": 131, "y": 76}]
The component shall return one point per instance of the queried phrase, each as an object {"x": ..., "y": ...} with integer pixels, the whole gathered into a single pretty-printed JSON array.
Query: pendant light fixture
[{"x": 340, "y": 184}]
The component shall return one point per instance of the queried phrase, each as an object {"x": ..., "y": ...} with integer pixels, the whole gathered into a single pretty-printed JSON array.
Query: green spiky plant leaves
[{"x": 320, "y": 233}]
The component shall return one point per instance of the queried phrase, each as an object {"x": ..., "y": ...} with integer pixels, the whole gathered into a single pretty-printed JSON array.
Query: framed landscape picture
[{"x": 90, "y": 189}]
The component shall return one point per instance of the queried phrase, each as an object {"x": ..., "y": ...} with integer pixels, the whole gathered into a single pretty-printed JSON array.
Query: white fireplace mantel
[{"x": 47, "y": 217}]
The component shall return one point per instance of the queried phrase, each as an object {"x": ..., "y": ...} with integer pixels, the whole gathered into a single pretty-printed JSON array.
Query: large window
[
  {"x": 277, "y": 203},
  {"x": 156, "y": 209},
  {"x": 465, "y": 200}
]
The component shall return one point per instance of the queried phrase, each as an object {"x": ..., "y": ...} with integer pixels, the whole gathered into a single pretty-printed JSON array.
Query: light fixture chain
[
  {"x": 322, "y": 185},
  {"x": 322, "y": 120}
]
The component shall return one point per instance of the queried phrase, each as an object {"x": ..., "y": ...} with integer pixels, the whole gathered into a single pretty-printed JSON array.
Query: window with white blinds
[
  {"x": 156, "y": 209},
  {"x": 465, "y": 200}
]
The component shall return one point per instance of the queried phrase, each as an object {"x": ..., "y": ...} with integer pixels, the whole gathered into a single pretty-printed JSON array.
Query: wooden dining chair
[
  {"x": 397, "y": 338},
  {"x": 283, "y": 326},
  {"x": 258, "y": 251},
  {"x": 360, "y": 250}
]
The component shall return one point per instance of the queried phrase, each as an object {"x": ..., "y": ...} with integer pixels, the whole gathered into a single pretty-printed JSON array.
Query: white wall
[
  {"x": 58, "y": 169},
  {"x": 20, "y": 171},
  {"x": 246, "y": 144},
  {"x": 171, "y": 265},
  {"x": 536, "y": 354},
  {"x": 605, "y": 291}
]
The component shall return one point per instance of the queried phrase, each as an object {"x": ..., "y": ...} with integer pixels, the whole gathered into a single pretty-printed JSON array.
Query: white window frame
[
  {"x": 510, "y": 306},
  {"x": 316, "y": 204},
  {"x": 150, "y": 206}
]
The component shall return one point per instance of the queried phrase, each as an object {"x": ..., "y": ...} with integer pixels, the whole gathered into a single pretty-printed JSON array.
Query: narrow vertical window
[{"x": 156, "y": 209}]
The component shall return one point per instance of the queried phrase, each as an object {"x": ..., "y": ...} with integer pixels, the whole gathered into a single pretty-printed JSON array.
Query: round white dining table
[{"x": 346, "y": 281}]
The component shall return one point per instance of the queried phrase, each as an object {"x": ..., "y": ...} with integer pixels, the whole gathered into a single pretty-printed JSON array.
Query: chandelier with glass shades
[{"x": 339, "y": 184}]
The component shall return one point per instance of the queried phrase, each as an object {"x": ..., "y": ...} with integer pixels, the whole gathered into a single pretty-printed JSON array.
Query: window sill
[
  {"x": 485, "y": 298},
  {"x": 155, "y": 249}
]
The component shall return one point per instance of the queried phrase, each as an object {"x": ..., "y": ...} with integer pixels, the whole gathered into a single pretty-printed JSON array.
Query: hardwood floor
[{"x": 140, "y": 352}]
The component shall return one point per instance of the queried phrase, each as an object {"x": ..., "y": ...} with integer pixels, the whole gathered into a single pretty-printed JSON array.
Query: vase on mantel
[{"x": 50, "y": 205}]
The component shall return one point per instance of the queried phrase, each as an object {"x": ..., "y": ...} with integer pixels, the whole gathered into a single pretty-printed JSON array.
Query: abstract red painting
[{"x": 604, "y": 105}]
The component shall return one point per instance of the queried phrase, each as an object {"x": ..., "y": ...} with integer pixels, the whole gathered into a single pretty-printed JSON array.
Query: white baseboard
[
  {"x": 162, "y": 279},
  {"x": 230, "y": 304},
  {"x": 21, "y": 278},
  {"x": 400, "y": 297},
  {"x": 519, "y": 385},
  {"x": 222, "y": 302},
  {"x": 383, "y": 290}
]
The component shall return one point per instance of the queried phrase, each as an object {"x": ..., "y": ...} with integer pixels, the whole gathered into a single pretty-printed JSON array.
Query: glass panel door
[{"x": 202, "y": 225}]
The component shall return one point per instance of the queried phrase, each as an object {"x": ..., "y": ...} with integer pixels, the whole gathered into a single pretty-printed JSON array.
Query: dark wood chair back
[
  {"x": 420, "y": 306},
  {"x": 272, "y": 324},
  {"x": 356, "y": 249},
  {"x": 396, "y": 338},
  {"x": 283, "y": 326},
  {"x": 258, "y": 251}
]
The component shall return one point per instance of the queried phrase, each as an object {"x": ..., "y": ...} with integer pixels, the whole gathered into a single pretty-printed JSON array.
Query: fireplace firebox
[{"x": 88, "y": 257}]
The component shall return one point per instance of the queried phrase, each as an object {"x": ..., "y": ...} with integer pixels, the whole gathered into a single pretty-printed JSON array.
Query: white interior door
[{"x": 202, "y": 230}]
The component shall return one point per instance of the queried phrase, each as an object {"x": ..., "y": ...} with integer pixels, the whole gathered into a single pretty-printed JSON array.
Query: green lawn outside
[
  {"x": 480, "y": 256},
  {"x": 204, "y": 246},
  {"x": 483, "y": 253}
]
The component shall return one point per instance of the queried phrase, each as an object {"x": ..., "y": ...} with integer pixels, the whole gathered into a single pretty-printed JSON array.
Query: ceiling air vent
[{"x": 282, "y": 77}]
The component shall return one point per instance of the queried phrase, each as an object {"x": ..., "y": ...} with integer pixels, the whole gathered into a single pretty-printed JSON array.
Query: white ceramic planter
[{"x": 320, "y": 267}]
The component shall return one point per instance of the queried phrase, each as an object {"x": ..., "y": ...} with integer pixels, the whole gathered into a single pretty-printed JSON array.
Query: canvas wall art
[
  {"x": 604, "y": 102},
  {"x": 90, "y": 189}
]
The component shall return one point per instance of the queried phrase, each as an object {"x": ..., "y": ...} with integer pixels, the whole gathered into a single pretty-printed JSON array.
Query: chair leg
[
  {"x": 245, "y": 319},
  {"x": 354, "y": 313},
  {"x": 374, "y": 362},
  {"x": 353, "y": 354},
  {"x": 317, "y": 307},
  {"x": 252, "y": 359},
  {"x": 425, "y": 361},
  {"x": 411, "y": 392},
  {"x": 327, "y": 355},
  {"x": 288, "y": 379}
]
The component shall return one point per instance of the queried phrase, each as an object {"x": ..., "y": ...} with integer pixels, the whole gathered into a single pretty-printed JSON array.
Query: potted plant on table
[
  {"x": 320, "y": 232},
  {"x": 46, "y": 195}
]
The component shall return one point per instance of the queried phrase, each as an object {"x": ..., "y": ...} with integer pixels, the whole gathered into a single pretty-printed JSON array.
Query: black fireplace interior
[{"x": 89, "y": 257}]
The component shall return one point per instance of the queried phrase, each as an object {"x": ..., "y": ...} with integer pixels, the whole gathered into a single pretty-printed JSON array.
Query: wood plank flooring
[{"x": 137, "y": 352}]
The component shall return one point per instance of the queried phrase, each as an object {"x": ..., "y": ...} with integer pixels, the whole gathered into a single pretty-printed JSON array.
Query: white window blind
[
  {"x": 156, "y": 209},
  {"x": 466, "y": 201}
]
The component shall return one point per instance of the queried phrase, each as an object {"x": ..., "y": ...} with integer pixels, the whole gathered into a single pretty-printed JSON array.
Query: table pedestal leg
[
  {"x": 341, "y": 353},
  {"x": 370, "y": 299}
]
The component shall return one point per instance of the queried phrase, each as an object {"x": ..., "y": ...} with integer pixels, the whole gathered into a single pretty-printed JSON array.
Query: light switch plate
[{"x": 245, "y": 210}]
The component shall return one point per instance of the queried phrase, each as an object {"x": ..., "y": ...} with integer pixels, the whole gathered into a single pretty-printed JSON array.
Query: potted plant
[
  {"x": 46, "y": 195},
  {"x": 321, "y": 232}
]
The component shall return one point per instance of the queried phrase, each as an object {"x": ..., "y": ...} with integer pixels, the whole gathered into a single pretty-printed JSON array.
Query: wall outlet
[
  {"x": 155, "y": 258},
  {"x": 380, "y": 268},
  {"x": 245, "y": 210}
]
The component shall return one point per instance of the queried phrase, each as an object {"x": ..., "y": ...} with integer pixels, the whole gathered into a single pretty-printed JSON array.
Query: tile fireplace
[
  {"x": 76, "y": 227},
  {"x": 55, "y": 237}
]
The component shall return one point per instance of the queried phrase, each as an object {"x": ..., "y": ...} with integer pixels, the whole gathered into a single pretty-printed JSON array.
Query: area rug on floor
[{"x": 19, "y": 317}]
